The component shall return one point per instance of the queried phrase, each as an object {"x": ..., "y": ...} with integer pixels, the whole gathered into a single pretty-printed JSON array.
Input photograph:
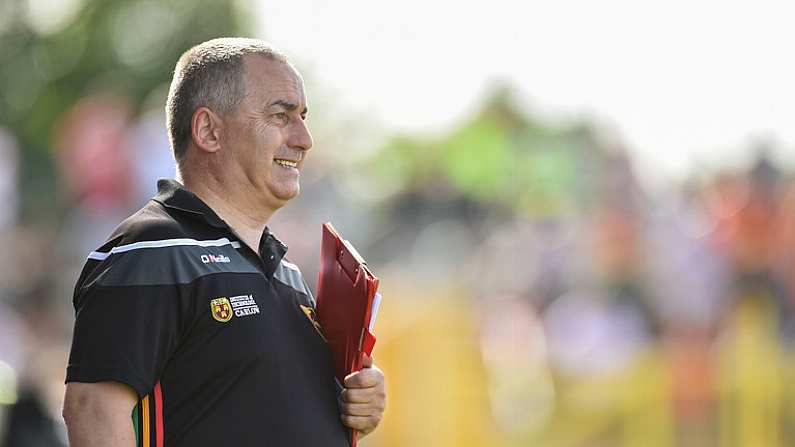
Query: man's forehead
[{"x": 269, "y": 78}]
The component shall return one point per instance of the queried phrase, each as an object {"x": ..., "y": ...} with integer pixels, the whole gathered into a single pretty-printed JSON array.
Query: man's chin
[{"x": 285, "y": 195}]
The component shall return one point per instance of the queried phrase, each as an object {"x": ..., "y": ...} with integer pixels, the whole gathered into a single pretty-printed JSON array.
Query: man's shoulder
[
  {"x": 153, "y": 247},
  {"x": 150, "y": 223}
]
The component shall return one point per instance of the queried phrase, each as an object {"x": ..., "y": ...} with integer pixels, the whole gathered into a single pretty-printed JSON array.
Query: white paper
[{"x": 374, "y": 311}]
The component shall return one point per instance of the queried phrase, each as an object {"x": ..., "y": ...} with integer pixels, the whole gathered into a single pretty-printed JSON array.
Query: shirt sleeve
[{"x": 124, "y": 332}]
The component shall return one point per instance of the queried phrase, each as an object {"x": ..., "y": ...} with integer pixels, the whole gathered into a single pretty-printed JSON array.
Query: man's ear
[{"x": 206, "y": 128}]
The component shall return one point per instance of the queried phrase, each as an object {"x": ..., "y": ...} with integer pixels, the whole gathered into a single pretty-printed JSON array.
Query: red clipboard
[{"x": 346, "y": 289}]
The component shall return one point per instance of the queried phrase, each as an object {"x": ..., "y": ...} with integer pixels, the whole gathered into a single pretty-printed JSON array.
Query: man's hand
[{"x": 364, "y": 398}]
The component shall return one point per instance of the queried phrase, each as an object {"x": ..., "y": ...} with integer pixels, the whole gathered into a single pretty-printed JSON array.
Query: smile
[{"x": 286, "y": 163}]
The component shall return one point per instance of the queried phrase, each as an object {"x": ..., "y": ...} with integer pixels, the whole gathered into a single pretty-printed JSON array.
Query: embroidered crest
[
  {"x": 221, "y": 309},
  {"x": 310, "y": 314}
]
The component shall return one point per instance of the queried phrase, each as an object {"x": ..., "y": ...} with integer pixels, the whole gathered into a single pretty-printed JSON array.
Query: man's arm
[
  {"x": 99, "y": 414},
  {"x": 364, "y": 398}
]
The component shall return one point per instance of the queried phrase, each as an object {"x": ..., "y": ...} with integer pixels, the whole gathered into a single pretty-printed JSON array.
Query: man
[{"x": 189, "y": 317}]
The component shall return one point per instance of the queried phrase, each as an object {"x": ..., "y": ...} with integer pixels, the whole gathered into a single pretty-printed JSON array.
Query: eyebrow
[{"x": 289, "y": 106}]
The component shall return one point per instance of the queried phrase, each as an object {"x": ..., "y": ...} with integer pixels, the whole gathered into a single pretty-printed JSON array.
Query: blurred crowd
[
  {"x": 607, "y": 314},
  {"x": 649, "y": 320}
]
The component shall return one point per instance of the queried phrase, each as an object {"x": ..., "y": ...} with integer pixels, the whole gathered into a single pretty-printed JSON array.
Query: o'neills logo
[
  {"x": 209, "y": 259},
  {"x": 221, "y": 309}
]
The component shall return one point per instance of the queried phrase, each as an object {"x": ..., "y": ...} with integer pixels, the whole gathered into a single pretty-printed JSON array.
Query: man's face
[{"x": 267, "y": 138}]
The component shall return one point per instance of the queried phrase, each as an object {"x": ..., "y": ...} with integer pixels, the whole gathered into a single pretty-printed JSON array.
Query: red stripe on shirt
[{"x": 158, "y": 415}]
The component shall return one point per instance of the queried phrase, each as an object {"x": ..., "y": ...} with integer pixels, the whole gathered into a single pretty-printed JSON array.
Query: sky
[{"x": 686, "y": 85}]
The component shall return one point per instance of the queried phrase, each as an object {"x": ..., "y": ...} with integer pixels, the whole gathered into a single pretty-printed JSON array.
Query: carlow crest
[{"x": 221, "y": 309}]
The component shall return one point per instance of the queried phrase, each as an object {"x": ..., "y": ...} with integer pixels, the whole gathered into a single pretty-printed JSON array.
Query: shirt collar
[{"x": 172, "y": 194}]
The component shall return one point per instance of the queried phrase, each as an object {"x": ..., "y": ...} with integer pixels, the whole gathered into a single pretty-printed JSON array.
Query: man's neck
[{"x": 246, "y": 219}]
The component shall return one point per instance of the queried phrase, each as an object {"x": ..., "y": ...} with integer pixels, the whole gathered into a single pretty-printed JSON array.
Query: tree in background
[{"x": 53, "y": 53}]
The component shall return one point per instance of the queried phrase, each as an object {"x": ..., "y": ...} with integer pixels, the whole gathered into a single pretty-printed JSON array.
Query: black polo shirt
[{"x": 217, "y": 340}]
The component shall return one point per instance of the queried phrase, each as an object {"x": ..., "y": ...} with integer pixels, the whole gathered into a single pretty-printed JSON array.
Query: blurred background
[{"x": 583, "y": 214}]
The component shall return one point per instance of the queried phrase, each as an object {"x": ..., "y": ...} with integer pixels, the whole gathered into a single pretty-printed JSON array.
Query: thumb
[{"x": 367, "y": 361}]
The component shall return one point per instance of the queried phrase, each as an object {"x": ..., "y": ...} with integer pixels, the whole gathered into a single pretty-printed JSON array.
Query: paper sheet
[{"x": 374, "y": 311}]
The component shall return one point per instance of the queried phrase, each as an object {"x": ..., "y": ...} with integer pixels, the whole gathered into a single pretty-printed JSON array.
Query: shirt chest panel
[{"x": 244, "y": 319}]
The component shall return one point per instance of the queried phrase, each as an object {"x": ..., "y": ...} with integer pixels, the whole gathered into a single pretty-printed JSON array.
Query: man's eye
[{"x": 282, "y": 116}]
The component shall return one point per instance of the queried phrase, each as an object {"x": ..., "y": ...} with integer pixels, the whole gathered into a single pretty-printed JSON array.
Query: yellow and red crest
[
  {"x": 310, "y": 314},
  {"x": 221, "y": 309}
]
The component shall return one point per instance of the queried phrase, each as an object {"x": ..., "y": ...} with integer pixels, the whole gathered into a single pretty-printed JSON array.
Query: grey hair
[{"x": 209, "y": 75}]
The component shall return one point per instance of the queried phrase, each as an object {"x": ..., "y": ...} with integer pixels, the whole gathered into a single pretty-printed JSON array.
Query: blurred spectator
[
  {"x": 146, "y": 146},
  {"x": 97, "y": 172},
  {"x": 9, "y": 160}
]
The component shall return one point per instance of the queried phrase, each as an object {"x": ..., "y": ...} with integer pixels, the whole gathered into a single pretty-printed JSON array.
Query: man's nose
[{"x": 300, "y": 137}]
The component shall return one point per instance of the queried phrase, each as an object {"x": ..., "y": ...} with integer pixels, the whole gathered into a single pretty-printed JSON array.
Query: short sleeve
[{"x": 124, "y": 331}]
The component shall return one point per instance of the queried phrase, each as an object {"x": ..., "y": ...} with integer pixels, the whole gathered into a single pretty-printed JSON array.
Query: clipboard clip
[{"x": 350, "y": 260}]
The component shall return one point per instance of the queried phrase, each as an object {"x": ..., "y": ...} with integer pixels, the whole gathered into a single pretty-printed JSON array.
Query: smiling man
[{"x": 189, "y": 318}]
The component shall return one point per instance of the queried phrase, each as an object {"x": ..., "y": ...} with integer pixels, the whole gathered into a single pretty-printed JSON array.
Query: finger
[
  {"x": 358, "y": 395},
  {"x": 365, "y": 378},
  {"x": 375, "y": 397},
  {"x": 362, "y": 423},
  {"x": 367, "y": 362},
  {"x": 351, "y": 409}
]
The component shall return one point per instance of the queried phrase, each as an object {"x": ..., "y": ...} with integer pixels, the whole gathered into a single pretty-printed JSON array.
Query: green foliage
[
  {"x": 52, "y": 53},
  {"x": 500, "y": 157},
  {"x": 479, "y": 161}
]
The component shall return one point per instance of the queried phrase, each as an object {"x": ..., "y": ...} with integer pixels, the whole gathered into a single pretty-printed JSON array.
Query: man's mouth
[{"x": 286, "y": 163}]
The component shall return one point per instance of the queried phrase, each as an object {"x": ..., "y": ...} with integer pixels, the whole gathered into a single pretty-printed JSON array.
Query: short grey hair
[{"x": 209, "y": 75}]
